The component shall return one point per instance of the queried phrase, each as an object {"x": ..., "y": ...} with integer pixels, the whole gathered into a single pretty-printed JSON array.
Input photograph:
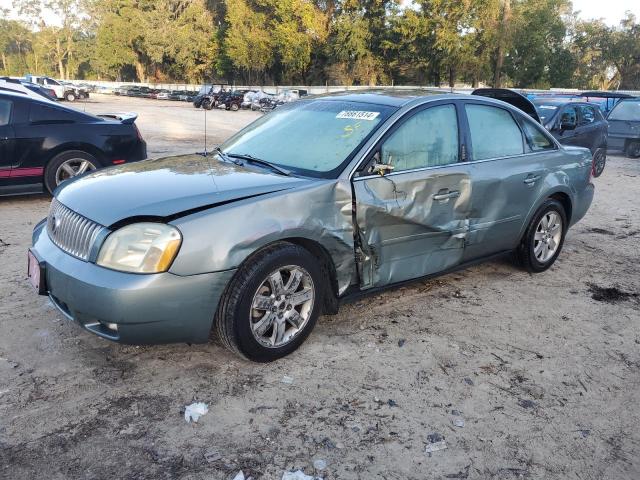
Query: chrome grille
[{"x": 70, "y": 231}]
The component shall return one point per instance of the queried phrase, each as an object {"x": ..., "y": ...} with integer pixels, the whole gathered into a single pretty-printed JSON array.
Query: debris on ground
[
  {"x": 194, "y": 411},
  {"x": 401, "y": 342},
  {"x": 457, "y": 422},
  {"x": 527, "y": 403},
  {"x": 392, "y": 403},
  {"x": 286, "y": 379},
  {"x": 239, "y": 476},
  {"x": 435, "y": 443},
  {"x": 212, "y": 455},
  {"x": 298, "y": 475},
  {"x": 468, "y": 381},
  {"x": 319, "y": 464}
]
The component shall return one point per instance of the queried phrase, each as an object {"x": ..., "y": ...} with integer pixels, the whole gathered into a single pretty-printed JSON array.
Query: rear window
[
  {"x": 546, "y": 111},
  {"x": 494, "y": 132},
  {"x": 627, "y": 110}
]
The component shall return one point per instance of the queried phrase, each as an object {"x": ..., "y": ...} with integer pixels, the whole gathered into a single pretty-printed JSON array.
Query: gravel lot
[{"x": 542, "y": 370}]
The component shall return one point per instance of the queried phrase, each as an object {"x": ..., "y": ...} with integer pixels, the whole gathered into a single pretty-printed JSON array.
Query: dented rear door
[{"x": 413, "y": 222}]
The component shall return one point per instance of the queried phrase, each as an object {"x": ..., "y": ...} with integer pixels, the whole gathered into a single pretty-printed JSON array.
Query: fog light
[{"x": 112, "y": 326}]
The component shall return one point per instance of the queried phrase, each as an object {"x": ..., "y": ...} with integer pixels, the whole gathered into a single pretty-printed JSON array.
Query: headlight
[{"x": 141, "y": 248}]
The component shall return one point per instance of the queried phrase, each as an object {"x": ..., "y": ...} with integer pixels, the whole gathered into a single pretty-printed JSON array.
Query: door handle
[
  {"x": 446, "y": 195},
  {"x": 532, "y": 179}
]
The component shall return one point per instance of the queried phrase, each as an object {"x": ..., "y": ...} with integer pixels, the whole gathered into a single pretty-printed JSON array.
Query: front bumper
[{"x": 147, "y": 309}]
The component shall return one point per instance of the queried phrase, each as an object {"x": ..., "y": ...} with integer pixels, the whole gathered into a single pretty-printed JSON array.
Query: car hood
[{"x": 167, "y": 187}]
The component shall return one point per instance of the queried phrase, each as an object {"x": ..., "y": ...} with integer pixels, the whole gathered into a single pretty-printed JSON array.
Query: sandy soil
[{"x": 544, "y": 370}]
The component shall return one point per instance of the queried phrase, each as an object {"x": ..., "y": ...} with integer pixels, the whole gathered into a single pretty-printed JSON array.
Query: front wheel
[
  {"x": 599, "y": 161},
  {"x": 633, "y": 150},
  {"x": 544, "y": 237},
  {"x": 235, "y": 107},
  {"x": 271, "y": 304},
  {"x": 70, "y": 97}
]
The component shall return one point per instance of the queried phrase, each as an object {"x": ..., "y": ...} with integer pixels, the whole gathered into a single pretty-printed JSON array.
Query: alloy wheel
[
  {"x": 548, "y": 236},
  {"x": 599, "y": 161},
  {"x": 72, "y": 168},
  {"x": 282, "y": 306}
]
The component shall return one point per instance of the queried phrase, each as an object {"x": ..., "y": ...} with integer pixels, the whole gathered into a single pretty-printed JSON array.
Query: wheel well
[
  {"x": 83, "y": 147},
  {"x": 564, "y": 199},
  {"x": 328, "y": 269}
]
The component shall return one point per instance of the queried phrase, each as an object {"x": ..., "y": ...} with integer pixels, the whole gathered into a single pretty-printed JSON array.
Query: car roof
[
  {"x": 380, "y": 96},
  {"x": 562, "y": 101}
]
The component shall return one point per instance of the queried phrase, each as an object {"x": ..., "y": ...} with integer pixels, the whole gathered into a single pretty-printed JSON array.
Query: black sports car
[{"x": 43, "y": 143}]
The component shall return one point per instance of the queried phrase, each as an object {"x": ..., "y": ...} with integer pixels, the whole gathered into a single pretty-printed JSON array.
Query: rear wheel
[
  {"x": 67, "y": 165},
  {"x": 544, "y": 237},
  {"x": 599, "y": 161},
  {"x": 633, "y": 150},
  {"x": 272, "y": 303}
]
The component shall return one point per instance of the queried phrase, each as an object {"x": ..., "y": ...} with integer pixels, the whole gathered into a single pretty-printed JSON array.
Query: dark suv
[{"x": 624, "y": 122}]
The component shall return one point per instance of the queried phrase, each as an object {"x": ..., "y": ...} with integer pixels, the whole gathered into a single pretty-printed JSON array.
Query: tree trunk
[
  {"x": 4, "y": 63},
  {"x": 140, "y": 71},
  {"x": 59, "y": 55},
  {"x": 452, "y": 76},
  {"x": 506, "y": 16}
]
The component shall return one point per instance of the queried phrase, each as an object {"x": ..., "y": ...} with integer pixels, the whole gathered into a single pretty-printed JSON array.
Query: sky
[{"x": 611, "y": 11}]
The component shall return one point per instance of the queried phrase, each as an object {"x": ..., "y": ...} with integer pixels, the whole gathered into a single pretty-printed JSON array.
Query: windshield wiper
[
  {"x": 226, "y": 157},
  {"x": 259, "y": 161}
]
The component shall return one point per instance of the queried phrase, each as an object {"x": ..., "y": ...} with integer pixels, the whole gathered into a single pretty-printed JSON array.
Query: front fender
[{"x": 223, "y": 237}]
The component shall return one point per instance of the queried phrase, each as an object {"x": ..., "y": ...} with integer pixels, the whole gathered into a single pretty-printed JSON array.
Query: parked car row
[
  {"x": 155, "y": 93},
  {"x": 218, "y": 96}
]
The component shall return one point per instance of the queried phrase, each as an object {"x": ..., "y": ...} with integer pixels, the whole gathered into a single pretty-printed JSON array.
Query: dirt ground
[{"x": 523, "y": 376}]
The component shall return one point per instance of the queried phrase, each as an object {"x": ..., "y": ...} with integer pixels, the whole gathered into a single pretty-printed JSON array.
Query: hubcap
[
  {"x": 547, "y": 237},
  {"x": 282, "y": 306},
  {"x": 73, "y": 167}
]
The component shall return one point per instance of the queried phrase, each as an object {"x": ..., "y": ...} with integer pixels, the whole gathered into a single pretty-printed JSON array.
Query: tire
[
  {"x": 54, "y": 169},
  {"x": 633, "y": 150},
  {"x": 599, "y": 161},
  {"x": 238, "y": 322},
  {"x": 206, "y": 104},
  {"x": 531, "y": 245},
  {"x": 70, "y": 97},
  {"x": 234, "y": 107}
]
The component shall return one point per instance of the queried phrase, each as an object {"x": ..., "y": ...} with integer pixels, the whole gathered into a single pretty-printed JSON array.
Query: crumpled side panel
[
  {"x": 223, "y": 237},
  {"x": 404, "y": 232}
]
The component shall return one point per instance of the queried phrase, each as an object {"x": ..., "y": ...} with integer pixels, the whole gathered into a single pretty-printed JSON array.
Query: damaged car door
[{"x": 412, "y": 199}]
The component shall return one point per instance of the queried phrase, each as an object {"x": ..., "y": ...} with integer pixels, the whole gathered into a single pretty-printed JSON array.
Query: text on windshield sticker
[{"x": 357, "y": 115}]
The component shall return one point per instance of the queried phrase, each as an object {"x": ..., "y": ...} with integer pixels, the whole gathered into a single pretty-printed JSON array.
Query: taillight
[{"x": 118, "y": 162}]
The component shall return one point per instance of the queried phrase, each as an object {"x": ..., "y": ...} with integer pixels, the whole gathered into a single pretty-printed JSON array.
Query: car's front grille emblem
[{"x": 70, "y": 231}]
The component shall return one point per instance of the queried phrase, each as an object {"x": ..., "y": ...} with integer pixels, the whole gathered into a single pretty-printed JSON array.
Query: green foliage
[{"x": 519, "y": 43}]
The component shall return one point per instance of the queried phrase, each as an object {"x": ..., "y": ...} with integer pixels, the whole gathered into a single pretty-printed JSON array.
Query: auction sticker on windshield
[{"x": 357, "y": 115}]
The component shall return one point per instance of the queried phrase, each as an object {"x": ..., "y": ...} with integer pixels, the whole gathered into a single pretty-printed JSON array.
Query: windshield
[
  {"x": 626, "y": 110},
  {"x": 545, "y": 111},
  {"x": 315, "y": 138}
]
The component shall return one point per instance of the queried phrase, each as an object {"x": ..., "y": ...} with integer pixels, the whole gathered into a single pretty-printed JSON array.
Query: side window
[
  {"x": 427, "y": 139},
  {"x": 536, "y": 139},
  {"x": 494, "y": 132},
  {"x": 5, "y": 112},
  {"x": 587, "y": 114},
  {"x": 569, "y": 116},
  {"x": 45, "y": 114}
]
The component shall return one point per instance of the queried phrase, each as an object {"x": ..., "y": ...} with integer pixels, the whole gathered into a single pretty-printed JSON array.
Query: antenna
[{"x": 205, "y": 131}]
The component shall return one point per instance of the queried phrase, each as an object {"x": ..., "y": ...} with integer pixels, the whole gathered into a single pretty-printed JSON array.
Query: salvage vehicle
[
  {"x": 231, "y": 100},
  {"x": 43, "y": 143},
  {"x": 63, "y": 92},
  {"x": 571, "y": 122},
  {"x": 624, "y": 127},
  {"x": 316, "y": 202}
]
